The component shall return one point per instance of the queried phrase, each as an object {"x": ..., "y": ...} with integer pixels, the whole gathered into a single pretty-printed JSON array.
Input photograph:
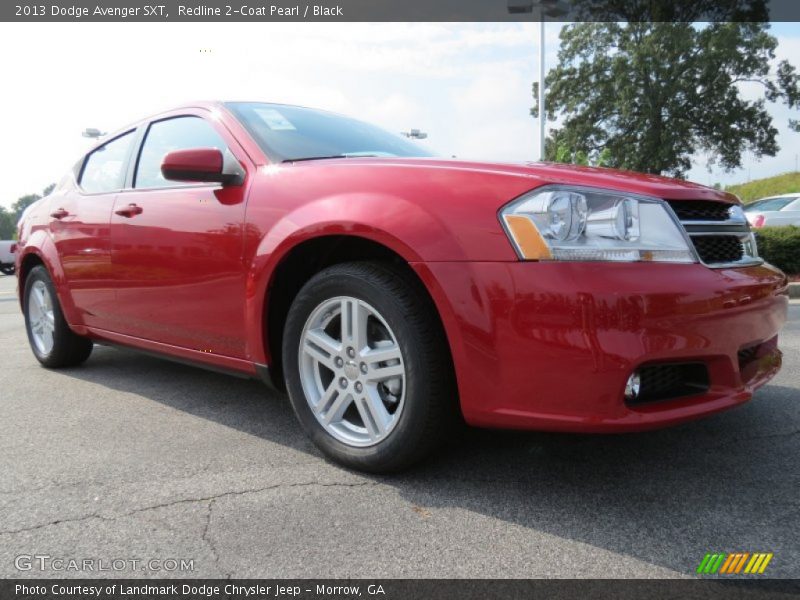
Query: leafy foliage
[
  {"x": 9, "y": 218},
  {"x": 787, "y": 81},
  {"x": 780, "y": 246},
  {"x": 770, "y": 186},
  {"x": 653, "y": 94},
  {"x": 683, "y": 11},
  {"x": 564, "y": 154},
  {"x": 7, "y": 224}
]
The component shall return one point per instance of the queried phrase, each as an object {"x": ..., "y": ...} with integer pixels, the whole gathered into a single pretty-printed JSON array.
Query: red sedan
[{"x": 392, "y": 293}]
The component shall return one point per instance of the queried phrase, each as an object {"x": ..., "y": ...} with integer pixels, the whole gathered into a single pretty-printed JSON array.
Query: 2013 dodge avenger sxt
[{"x": 392, "y": 292}]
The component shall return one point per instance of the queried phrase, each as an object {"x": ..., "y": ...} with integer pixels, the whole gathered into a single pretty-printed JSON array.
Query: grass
[{"x": 771, "y": 186}]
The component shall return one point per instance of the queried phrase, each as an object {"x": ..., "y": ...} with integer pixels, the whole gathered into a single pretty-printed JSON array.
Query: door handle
[
  {"x": 59, "y": 213},
  {"x": 129, "y": 211}
]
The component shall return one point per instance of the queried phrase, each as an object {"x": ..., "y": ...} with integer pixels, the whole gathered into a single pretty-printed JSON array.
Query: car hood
[{"x": 555, "y": 173}]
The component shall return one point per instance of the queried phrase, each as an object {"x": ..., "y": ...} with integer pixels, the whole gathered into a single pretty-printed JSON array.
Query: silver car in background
[
  {"x": 7, "y": 249},
  {"x": 774, "y": 211}
]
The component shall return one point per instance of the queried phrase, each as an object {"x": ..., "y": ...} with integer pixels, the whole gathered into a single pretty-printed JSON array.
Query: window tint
[
  {"x": 104, "y": 169},
  {"x": 295, "y": 133},
  {"x": 754, "y": 206},
  {"x": 163, "y": 137},
  {"x": 772, "y": 204}
]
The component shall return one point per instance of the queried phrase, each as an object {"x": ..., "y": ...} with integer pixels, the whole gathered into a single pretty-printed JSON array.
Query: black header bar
[
  {"x": 399, "y": 10},
  {"x": 394, "y": 589}
]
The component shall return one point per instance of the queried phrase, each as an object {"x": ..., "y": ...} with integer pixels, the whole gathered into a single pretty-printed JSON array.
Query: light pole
[
  {"x": 415, "y": 134},
  {"x": 544, "y": 8},
  {"x": 92, "y": 133}
]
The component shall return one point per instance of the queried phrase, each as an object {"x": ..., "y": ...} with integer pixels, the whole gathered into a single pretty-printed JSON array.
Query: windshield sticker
[{"x": 274, "y": 120}]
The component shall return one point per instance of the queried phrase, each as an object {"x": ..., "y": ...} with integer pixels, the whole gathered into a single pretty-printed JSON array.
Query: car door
[
  {"x": 177, "y": 248},
  {"x": 80, "y": 225}
]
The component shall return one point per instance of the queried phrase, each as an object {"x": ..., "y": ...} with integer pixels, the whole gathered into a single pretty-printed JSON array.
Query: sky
[{"x": 467, "y": 85}]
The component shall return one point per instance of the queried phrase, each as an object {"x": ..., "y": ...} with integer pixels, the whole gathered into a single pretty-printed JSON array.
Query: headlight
[{"x": 575, "y": 223}]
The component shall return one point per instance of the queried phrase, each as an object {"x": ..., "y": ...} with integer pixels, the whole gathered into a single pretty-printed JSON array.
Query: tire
[
  {"x": 7, "y": 269},
  {"x": 415, "y": 387},
  {"x": 53, "y": 343}
]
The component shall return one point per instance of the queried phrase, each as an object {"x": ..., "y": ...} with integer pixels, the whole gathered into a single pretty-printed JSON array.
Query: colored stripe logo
[{"x": 735, "y": 563}]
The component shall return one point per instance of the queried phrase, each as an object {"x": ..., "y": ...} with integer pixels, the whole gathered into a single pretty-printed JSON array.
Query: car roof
[
  {"x": 792, "y": 195},
  {"x": 209, "y": 105}
]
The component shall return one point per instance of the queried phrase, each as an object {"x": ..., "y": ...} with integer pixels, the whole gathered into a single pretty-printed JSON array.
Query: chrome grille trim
[{"x": 734, "y": 226}]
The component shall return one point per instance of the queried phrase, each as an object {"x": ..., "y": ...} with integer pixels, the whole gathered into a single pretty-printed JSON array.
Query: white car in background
[
  {"x": 774, "y": 211},
  {"x": 7, "y": 249}
]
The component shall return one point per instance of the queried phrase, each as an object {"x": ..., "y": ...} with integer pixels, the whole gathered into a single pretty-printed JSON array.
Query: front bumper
[{"x": 550, "y": 346}]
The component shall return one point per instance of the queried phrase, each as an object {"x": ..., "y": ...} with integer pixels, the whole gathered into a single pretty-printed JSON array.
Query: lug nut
[
  {"x": 351, "y": 353},
  {"x": 363, "y": 368},
  {"x": 343, "y": 382},
  {"x": 359, "y": 387},
  {"x": 339, "y": 361}
]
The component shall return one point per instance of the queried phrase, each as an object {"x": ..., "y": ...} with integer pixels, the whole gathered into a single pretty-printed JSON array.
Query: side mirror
[{"x": 200, "y": 165}]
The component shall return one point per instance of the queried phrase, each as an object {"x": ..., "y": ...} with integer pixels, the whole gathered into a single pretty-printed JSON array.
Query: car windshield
[
  {"x": 769, "y": 204},
  {"x": 292, "y": 133}
]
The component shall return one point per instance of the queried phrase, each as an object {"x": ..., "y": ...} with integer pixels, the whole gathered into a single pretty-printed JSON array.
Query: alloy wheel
[
  {"x": 41, "y": 317},
  {"x": 352, "y": 371}
]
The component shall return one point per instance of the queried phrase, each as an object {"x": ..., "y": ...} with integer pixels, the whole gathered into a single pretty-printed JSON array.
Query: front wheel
[
  {"x": 53, "y": 343},
  {"x": 367, "y": 366}
]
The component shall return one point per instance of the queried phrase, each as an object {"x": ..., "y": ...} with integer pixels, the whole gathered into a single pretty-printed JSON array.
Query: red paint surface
[
  {"x": 535, "y": 345},
  {"x": 193, "y": 160}
]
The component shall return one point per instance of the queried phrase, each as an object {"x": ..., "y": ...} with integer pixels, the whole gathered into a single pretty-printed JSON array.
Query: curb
[{"x": 794, "y": 289}]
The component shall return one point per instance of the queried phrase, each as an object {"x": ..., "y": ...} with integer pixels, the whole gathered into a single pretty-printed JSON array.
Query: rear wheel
[
  {"x": 53, "y": 343},
  {"x": 367, "y": 367}
]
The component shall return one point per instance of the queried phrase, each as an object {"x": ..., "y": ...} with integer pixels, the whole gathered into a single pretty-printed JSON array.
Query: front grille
[
  {"x": 719, "y": 231},
  {"x": 701, "y": 210},
  {"x": 668, "y": 381},
  {"x": 718, "y": 248}
]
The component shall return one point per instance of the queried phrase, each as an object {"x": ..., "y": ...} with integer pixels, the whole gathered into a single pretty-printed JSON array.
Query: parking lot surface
[{"x": 132, "y": 457}]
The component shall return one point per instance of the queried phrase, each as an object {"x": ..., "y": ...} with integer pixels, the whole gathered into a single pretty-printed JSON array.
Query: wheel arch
[
  {"x": 308, "y": 256},
  {"x": 26, "y": 264},
  {"x": 39, "y": 249}
]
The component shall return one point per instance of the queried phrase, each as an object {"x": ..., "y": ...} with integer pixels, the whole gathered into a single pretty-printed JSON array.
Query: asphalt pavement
[{"x": 129, "y": 457}]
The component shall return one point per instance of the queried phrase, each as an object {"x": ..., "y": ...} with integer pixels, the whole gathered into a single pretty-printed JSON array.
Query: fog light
[{"x": 632, "y": 387}]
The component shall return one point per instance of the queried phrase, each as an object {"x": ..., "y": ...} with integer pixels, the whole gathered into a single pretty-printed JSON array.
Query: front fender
[
  {"x": 402, "y": 226},
  {"x": 406, "y": 227}
]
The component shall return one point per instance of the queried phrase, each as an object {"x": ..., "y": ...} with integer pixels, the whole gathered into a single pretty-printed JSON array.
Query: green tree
[
  {"x": 7, "y": 224},
  {"x": 649, "y": 95},
  {"x": 22, "y": 203},
  {"x": 787, "y": 81},
  {"x": 9, "y": 218}
]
